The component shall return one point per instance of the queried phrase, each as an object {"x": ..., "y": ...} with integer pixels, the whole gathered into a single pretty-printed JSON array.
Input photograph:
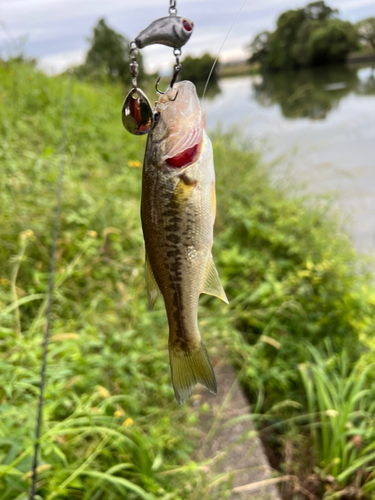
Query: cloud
[{"x": 59, "y": 62}]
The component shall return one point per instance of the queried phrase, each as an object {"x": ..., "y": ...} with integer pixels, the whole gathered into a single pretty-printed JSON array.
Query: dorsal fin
[{"x": 212, "y": 284}]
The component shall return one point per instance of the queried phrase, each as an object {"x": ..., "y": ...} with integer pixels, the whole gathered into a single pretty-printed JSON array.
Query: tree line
[{"x": 310, "y": 36}]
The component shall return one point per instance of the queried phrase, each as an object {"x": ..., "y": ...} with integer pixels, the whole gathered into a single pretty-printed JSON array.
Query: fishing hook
[
  {"x": 177, "y": 69},
  {"x": 169, "y": 88}
]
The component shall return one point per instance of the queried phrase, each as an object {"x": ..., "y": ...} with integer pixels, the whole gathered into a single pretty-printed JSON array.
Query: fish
[
  {"x": 178, "y": 209},
  {"x": 172, "y": 31}
]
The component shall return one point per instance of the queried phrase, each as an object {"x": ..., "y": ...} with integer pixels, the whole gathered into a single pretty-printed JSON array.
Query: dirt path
[{"x": 230, "y": 438}]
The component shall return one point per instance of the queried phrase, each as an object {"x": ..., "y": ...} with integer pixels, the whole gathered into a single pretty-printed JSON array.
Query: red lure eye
[{"x": 188, "y": 26}]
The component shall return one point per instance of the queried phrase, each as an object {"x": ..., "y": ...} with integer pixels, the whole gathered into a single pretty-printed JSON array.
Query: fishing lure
[{"x": 172, "y": 31}]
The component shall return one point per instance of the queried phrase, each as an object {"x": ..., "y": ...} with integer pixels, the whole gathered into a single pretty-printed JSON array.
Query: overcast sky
[{"x": 56, "y": 31}]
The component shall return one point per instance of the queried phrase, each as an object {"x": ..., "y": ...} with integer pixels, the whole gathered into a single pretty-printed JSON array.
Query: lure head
[
  {"x": 176, "y": 138},
  {"x": 173, "y": 31}
]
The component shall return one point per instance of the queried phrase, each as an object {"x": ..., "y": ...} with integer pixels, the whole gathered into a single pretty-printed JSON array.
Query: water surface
[{"x": 320, "y": 127}]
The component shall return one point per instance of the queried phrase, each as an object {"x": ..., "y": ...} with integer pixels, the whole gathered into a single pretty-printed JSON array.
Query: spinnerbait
[{"x": 173, "y": 31}]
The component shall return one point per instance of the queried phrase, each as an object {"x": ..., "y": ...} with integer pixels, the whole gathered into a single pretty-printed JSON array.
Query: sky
[{"x": 56, "y": 32}]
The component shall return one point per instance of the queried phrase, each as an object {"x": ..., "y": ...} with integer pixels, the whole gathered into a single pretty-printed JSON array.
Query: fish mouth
[
  {"x": 187, "y": 150},
  {"x": 186, "y": 158},
  {"x": 179, "y": 132}
]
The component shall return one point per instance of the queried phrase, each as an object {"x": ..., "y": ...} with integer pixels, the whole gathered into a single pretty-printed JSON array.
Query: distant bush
[
  {"x": 311, "y": 36},
  {"x": 366, "y": 31},
  {"x": 197, "y": 69}
]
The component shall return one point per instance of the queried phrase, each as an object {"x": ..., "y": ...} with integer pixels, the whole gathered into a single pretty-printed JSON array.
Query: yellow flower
[
  {"x": 128, "y": 422},
  {"x": 4, "y": 281},
  {"x": 332, "y": 413},
  {"x": 25, "y": 235},
  {"x": 103, "y": 392},
  {"x": 117, "y": 413},
  {"x": 92, "y": 233},
  {"x": 134, "y": 163}
]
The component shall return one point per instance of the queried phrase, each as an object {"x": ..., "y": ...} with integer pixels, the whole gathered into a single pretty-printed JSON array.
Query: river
[{"x": 316, "y": 128}]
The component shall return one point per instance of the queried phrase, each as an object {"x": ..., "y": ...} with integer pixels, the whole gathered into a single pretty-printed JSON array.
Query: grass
[
  {"x": 111, "y": 426},
  {"x": 341, "y": 413}
]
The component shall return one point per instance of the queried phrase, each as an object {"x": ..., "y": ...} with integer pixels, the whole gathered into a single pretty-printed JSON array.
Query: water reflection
[
  {"x": 334, "y": 154},
  {"x": 366, "y": 85},
  {"x": 312, "y": 93}
]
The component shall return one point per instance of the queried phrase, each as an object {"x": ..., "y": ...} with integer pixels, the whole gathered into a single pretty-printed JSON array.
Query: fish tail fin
[{"x": 189, "y": 367}]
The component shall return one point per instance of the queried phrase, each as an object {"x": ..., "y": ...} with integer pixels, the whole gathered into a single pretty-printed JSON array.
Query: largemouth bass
[{"x": 178, "y": 213}]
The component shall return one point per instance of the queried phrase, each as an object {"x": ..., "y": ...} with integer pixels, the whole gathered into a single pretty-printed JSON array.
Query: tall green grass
[{"x": 342, "y": 411}]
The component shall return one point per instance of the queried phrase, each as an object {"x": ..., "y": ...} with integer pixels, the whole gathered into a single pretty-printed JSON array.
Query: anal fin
[
  {"x": 153, "y": 290},
  {"x": 212, "y": 284}
]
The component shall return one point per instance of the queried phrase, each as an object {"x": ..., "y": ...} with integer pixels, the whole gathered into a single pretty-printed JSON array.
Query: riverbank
[
  {"x": 243, "y": 68},
  {"x": 111, "y": 424}
]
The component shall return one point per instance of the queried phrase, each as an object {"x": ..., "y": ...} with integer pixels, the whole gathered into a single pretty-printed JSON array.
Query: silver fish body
[{"x": 178, "y": 212}]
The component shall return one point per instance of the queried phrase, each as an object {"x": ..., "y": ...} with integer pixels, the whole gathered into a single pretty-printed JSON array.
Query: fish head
[{"x": 177, "y": 137}]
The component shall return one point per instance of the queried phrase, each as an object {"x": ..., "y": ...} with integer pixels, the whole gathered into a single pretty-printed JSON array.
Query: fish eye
[{"x": 156, "y": 118}]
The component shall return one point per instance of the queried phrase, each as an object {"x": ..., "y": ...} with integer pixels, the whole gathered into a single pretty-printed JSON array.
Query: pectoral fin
[
  {"x": 212, "y": 284},
  {"x": 153, "y": 290}
]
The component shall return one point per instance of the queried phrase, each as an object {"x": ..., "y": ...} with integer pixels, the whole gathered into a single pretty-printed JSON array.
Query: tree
[
  {"x": 310, "y": 36},
  {"x": 260, "y": 47},
  {"x": 197, "y": 69},
  {"x": 109, "y": 55},
  {"x": 366, "y": 31},
  {"x": 319, "y": 11},
  {"x": 331, "y": 42}
]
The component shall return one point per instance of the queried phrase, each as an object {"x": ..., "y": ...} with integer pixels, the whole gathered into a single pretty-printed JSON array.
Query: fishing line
[
  {"x": 222, "y": 45},
  {"x": 50, "y": 288}
]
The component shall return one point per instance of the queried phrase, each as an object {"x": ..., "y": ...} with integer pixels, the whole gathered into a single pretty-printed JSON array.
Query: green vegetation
[
  {"x": 366, "y": 31},
  {"x": 311, "y": 36},
  {"x": 108, "y": 56},
  {"x": 340, "y": 402},
  {"x": 111, "y": 427},
  {"x": 197, "y": 70}
]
